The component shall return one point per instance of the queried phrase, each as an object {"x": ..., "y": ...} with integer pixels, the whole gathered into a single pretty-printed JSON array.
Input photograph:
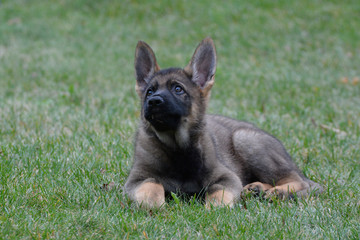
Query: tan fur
[
  {"x": 150, "y": 195},
  {"x": 220, "y": 198},
  {"x": 283, "y": 188},
  {"x": 288, "y": 185},
  {"x": 286, "y": 189}
]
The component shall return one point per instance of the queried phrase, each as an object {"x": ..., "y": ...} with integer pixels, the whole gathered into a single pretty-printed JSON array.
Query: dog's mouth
[
  {"x": 157, "y": 118},
  {"x": 162, "y": 121}
]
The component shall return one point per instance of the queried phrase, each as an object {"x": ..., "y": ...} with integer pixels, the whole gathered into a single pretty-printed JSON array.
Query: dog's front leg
[
  {"x": 147, "y": 194},
  {"x": 225, "y": 192},
  {"x": 150, "y": 195},
  {"x": 222, "y": 197}
]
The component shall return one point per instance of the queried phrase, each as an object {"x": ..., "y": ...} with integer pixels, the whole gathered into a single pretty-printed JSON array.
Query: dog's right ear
[{"x": 145, "y": 66}]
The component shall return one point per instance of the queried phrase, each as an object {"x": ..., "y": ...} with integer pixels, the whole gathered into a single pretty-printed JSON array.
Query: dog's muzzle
[{"x": 161, "y": 114}]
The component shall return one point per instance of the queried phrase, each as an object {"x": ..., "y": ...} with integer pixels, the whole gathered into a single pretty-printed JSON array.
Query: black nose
[{"x": 155, "y": 101}]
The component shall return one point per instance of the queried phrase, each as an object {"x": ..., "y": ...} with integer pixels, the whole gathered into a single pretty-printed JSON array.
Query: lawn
[{"x": 69, "y": 111}]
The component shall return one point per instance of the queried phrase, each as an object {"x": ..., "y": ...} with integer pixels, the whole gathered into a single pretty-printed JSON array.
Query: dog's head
[{"x": 174, "y": 97}]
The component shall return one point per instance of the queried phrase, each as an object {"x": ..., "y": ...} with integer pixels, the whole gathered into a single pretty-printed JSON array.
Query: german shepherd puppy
[{"x": 179, "y": 148}]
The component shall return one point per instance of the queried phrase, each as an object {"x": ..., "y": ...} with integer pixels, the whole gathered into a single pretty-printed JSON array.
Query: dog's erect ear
[
  {"x": 202, "y": 65},
  {"x": 145, "y": 66}
]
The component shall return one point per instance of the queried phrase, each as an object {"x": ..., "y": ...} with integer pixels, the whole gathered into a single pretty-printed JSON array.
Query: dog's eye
[
  {"x": 149, "y": 92},
  {"x": 178, "y": 89}
]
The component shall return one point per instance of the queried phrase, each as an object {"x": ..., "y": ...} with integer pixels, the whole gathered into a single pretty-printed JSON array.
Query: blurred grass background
[{"x": 68, "y": 112}]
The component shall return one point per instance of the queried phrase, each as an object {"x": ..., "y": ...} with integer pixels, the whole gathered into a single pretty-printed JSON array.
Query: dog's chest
[{"x": 186, "y": 171}]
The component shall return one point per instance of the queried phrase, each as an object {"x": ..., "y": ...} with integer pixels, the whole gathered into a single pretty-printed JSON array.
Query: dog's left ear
[
  {"x": 145, "y": 66},
  {"x": 202, "y": 65}
]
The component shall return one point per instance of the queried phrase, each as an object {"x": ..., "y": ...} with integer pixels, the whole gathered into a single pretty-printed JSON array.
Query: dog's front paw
[
  {"x": 220, "y": 198},
  {"x": 150, "y": 195}
]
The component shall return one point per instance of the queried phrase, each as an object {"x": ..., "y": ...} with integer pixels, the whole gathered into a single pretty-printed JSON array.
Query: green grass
[{"x": 68, "y": 112}]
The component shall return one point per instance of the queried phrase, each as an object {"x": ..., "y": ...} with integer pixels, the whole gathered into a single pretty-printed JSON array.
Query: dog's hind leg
[
  {"x": 265, "y": 159},
  {"x": 289, "y": 186},
  {"x": 286, "y": 187},
  {"x": 313, "y": 189}
]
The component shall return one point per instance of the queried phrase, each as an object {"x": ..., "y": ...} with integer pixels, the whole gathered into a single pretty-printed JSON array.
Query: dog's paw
[
  {"x": 277, "y": 193},
  {"x": 150, "y": 195},
  {"x": 256, "y": 188},
  {"x": 220, "y": 198}
]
